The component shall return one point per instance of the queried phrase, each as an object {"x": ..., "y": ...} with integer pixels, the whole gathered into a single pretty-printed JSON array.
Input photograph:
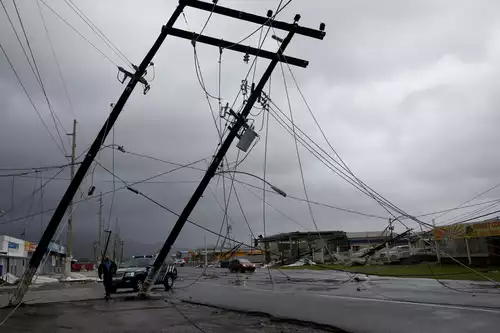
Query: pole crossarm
[
  {"x": 237, "y": 47},
  {"x": 318, "y": 34}
]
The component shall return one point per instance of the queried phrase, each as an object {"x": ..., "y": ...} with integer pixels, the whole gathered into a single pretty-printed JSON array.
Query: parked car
[
  {"x": 132, "y": 273},
  {"x": 396, "y": 253},
  {"x": 223, "y": 264},
  {"x": 179, "y": 262},
  {"x": 241, "y": 265}
]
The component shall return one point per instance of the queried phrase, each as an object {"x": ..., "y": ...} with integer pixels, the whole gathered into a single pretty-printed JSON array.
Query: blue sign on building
[{"x": 13, "y": 246}]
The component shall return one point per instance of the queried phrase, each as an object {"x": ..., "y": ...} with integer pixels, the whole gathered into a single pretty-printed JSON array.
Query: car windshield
[
  {"x": 244, "y": 260},
  {"x": 137, "y": 262}
]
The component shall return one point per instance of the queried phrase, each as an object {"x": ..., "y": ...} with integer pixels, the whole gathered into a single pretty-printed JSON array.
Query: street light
[
  {"x": 114, "y": 146},
  {"x": 274, "y": 188}
]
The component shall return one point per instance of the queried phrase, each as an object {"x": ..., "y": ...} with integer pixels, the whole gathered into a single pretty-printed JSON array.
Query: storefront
[
  {"x": 477, "y": 242},
  {"x": 13, "y": 257},
  {"x": 53, "y": 262}
]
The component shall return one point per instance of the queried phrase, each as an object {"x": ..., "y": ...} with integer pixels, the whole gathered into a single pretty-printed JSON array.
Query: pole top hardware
[{"x": 126, "y": 74}]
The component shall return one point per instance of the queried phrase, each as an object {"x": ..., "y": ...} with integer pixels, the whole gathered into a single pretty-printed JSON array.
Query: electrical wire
[
  {"x": 264, "y": 183},
  {"x": 114, "y": 182},
  {"x": 61, "y": 76},
  {"x": 300, "y": 165},
  {"x": 79, "y": 33},
  {"x": 260, "y": 188},
  {"x": 469, "y": 214},
  {"x": 49, "y": 104},
  {"x": 31, "y": 101},
  {"x": 475, "y": 197},
  {"x": 185, "y": 317},
  {"x": 276, "y": 209},
  {"x": 278, "y": 10},
  {"x": 111, "y": 191},
  {"x": 38, "y": 168},
  {"x": 99, "y": 33},
  {"x": 44, "y": 260},
  {"x": 34, "y": 192}
]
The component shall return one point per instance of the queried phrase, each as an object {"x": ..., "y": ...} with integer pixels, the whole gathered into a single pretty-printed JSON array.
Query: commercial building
[
  {"x": 359, "y": 240},
  {"x": 473, "y": 243},
  {"x": 297, "y": 244},
  {"x": 15, "y": 254}
]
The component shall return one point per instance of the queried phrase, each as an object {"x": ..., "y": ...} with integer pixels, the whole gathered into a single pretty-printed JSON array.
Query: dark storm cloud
[{"x": 405, "y": 91}]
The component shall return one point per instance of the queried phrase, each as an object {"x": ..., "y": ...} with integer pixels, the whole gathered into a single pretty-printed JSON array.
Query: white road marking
[{"x": 456, "y": 307}]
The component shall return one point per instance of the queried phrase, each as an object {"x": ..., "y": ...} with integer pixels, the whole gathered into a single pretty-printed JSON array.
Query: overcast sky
[{"x": 406, "y": 92}]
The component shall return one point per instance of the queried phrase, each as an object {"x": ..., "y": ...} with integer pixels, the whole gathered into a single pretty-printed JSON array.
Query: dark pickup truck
[{"x": 132, "y": 273}]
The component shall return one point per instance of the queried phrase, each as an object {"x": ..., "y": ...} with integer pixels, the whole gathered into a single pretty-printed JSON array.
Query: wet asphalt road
[
  {"x": 139, "y": 316},
  {"x": 379, "y": 305}
]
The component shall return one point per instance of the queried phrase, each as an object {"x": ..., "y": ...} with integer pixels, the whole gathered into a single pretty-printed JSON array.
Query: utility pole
[
  {"x": 121, "y": 251},
  {"x": 41, "y": 206},
  {"x": 134, "y": 79},
  {"x": 206, "y": 252},
  {"x": 100, "y": 230},
  {"x": 436, "y": 243},
  {"x": 239, "y": 119},
  {"x": 13, "y": 186},
  {"x": 69, "y": 237},
  {"x": 107, "y": 243},
  {"x": 116, "y": 239}
]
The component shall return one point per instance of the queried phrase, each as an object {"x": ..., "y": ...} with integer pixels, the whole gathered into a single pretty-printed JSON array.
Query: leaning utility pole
[
  {"x": 69, "y": 237},
  {"x": 136, "y": 77},
  {"x": 239, "y": 119}
]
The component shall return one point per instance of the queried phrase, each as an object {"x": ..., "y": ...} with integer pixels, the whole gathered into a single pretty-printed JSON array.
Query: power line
[
  {"x": 276, "y": 209},
  {"x": 52, "y": 111},
  {"x": 19, "y": 41},
  {"x": 38, "y": 168},
  {"x": 61, "y": 76},
  {"x": 99, "y": 33},
  {"x": 80, "y": 34},
  {"x": 108, "y": 192},
  {"x": 35, "y": 191},
  {"x": 475, "y": 197},
  {"x": 185, "y": 317},
  {"x": 31, "y": 101},
  {"x": 260, "y": 188}
]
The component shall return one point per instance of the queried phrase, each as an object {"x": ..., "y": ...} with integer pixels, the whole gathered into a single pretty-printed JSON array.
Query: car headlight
[{"x": 130, "y": 274}]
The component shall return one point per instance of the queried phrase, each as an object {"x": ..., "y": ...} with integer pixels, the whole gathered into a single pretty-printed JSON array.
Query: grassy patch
[{"x": 445, "y": 272}]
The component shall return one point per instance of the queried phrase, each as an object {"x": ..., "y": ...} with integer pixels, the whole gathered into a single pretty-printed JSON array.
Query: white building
[{"x": 13, "y": 255}]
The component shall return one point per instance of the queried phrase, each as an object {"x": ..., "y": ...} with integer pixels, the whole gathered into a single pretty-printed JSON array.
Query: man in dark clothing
[{"x": 106, "y": 270}]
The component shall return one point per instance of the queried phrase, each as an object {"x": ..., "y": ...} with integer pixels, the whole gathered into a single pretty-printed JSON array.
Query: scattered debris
[
  {"x": 42, "y": 279},
  {"x": 302, "y": 262},
  {"x": 361, "y": 278},
  {"x": 9, "y": 278},
  {"x": 239, "y": 282}
]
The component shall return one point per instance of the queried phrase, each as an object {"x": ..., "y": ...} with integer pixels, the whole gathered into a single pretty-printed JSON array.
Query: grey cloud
[{"x": 406, "y": 92}]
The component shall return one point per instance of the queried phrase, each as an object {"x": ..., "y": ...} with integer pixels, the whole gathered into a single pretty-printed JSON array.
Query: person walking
[{"x": 106, "y": 270}]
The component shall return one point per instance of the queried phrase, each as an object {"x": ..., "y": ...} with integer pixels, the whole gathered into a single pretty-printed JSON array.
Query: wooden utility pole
[
  {"x": 69, "y": 237},
  {"x": 100, "y": 225},
  {"x": 116, "y": 240},
  {"x": 134, "y": 78},
  {"x": 121, "y": 251},
  {"x": 239, "y": 120},
  {"x": 108, "y": 237}
]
